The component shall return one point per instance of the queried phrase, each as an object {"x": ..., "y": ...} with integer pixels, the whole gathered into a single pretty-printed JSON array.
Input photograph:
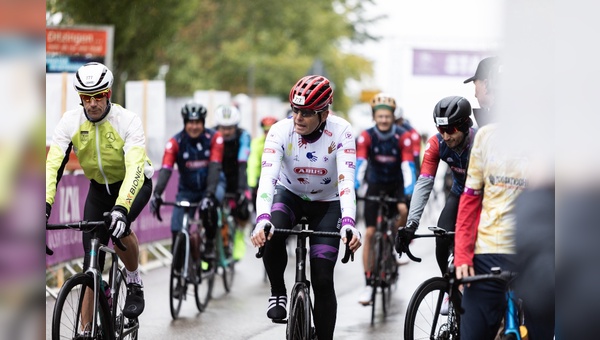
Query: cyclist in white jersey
[{"x": 308, "y": 167}]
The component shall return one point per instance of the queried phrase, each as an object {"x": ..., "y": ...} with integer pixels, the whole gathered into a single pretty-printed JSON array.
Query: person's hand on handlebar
[
  {"x": 118, "y": 225},
  {"x": 155, "y": 203},
  {"x": 258, "y": 236},
  {"x": 405, "y": 236},
  {"x": 355, "y": 242}
]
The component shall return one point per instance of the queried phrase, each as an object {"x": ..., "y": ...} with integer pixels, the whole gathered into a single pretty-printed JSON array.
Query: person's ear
[{"x": 109, "y": 94}]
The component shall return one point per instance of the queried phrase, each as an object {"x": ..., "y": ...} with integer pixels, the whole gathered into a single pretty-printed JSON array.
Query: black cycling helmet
[
  {"x": 193, "y": 111},
  {"x": 453, "y": 111}
]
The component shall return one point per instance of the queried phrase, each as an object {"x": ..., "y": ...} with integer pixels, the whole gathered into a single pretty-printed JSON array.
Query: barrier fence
[{"x": 67, "y": 244}]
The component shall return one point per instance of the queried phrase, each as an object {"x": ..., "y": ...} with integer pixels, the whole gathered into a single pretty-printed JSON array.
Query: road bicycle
[
  {"x": 72, "y": 317},
  {"x": 299, "y": 321},
  {"x": 186, "y": 266},
  {"x": 381, "y": 259},
  {"x": 513, "y": 324},
  {"x": 423, "y": 319},
  {"x": 226, "y": 240}
]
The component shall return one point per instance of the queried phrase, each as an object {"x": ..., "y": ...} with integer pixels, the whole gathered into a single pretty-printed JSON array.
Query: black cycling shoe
[
  {"x": 176, "y": 293},
  {"x": 134, "y": 303},
  {"x": 87, "y": 335},
  {"x": 277, "y": 307}
]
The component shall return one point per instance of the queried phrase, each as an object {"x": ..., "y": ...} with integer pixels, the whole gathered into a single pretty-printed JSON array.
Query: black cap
[{"x": 483, "y": 69}]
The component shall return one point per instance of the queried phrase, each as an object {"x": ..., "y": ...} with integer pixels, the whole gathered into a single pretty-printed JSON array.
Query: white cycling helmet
[
  {"x": 399, "y": 113},
  {"x": 227, "y": 115},
  {"x": 92, "y": 78}
]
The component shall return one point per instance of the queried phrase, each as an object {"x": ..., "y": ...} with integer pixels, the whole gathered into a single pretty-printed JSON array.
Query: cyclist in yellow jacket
[
  {"x": 109, "y": 142},
  {"x": 256, "y": 151}
]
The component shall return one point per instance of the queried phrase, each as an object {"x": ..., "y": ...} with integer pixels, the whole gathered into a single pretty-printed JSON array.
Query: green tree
[{"x": 254, "y": 47}]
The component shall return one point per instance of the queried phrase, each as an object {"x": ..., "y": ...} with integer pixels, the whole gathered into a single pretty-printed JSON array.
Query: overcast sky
[{"x": 461, "y": 25}]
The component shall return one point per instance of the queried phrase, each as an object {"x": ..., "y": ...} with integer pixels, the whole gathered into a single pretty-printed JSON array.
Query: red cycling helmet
[
  {"x": 311, "y": 92},
  {"x": 268, "y": 121}
]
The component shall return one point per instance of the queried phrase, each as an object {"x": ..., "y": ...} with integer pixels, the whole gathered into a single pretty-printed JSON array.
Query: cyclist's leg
[
  {"x": 370, "y": 221},
  {"x": 96, "y": 203},
  {"x": 130, "y": 257},
  {"x": 484, "y": 302},
  {"x": 446, "y": 221},
  {"x": 324, "y": 216},
  {"x": 284, "y": 215}
]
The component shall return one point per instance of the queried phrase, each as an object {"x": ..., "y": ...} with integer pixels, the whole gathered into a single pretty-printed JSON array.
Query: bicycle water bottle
[{"x": 106, "y": 288}]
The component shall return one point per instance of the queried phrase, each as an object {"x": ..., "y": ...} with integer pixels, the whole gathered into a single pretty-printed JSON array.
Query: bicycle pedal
[{"x": 282, "y": 321}]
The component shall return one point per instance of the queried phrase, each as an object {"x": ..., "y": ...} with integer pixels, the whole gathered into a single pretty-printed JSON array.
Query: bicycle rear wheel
[
  {"x": 67, "y": 319},
  {"x": 423, "y": 319},
  {"x": 125, "y": 328},
  {"x": 299, "y": 320},
  {"x": 177, "y": 286}
]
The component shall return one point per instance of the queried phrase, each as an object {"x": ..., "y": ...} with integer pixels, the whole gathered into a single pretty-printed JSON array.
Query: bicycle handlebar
[
  {"x": 85, "y": 226},
  {"x": 348, "y": 254},
  {"x": 182, "y": 204},
  {"x": 497, "y": 274},
  {"x": 386, "y": 199},
  {"x": 437, "y": 232}
]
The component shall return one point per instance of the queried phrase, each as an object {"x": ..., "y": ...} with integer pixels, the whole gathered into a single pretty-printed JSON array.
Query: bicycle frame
[
  {"x": 301, "y": 281},
  {"x": 513, "y": 320},
  {"x": 96, "y": 274},
  {"x": 378, "y": 258}
]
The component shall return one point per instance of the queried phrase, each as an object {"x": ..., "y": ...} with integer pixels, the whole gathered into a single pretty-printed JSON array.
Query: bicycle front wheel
[
  {"x": 226, "y": 262},
  {"x": 299, "y": 321},
  {"x": 376, "y": 276},
  {"x": 71, "y": 319},
  {"x": 423, "y": 318},
  {"x": 390, "y": 269},
  {"x": 203, "y": 285},
  {"x": 177, "y": 286},
  {"x": 125, "y": 328}
]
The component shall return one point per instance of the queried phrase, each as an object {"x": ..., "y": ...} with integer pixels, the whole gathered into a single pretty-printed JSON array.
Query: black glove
[
  {"x": 155, "y": 203},
  {"x": 405, "y": 235},
  {"x": 48, "y": 211},
  {"x": 242, "y": 211},
  {"x": 208, "y": 201},
  {"x": 118, "y": 222}
]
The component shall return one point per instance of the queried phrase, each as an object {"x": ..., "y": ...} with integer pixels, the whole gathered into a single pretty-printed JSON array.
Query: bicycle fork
[{"x": 513, "y": 318}]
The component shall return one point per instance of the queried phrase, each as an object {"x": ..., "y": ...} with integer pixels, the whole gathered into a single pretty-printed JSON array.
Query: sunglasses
[
  {"x": 305, "y": 113},
  {"x": 447, "y": 129},
  {"x": 97, "y": 96}
]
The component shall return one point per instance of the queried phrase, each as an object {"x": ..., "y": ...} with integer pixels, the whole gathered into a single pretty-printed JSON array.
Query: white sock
[{"x": 134, "y": 277}]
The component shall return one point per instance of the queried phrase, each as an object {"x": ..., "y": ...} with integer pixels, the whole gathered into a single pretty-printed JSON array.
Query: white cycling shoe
[{"x": 365, "y": 297}]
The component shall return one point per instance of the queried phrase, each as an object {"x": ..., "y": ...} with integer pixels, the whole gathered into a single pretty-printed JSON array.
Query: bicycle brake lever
[
  {"x": 118, "y": 243},
  {"x": 158, "y": 217},
  {"x": 411, "y": 256},
  {"x": 348, "y": 254},
  {"x": 261, "y": 250}
]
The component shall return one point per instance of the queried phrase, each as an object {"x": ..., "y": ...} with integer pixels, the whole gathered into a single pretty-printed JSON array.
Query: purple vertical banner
[
  {"x": 446, "y": 63},
  {"x": 68, "y": 207}
]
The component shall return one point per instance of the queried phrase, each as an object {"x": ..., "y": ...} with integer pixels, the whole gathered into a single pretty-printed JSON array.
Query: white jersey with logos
[{"x": 321, "y": 170}]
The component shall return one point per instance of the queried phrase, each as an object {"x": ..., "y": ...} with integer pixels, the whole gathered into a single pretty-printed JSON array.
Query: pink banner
[{"x": 68, "y": 207}]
